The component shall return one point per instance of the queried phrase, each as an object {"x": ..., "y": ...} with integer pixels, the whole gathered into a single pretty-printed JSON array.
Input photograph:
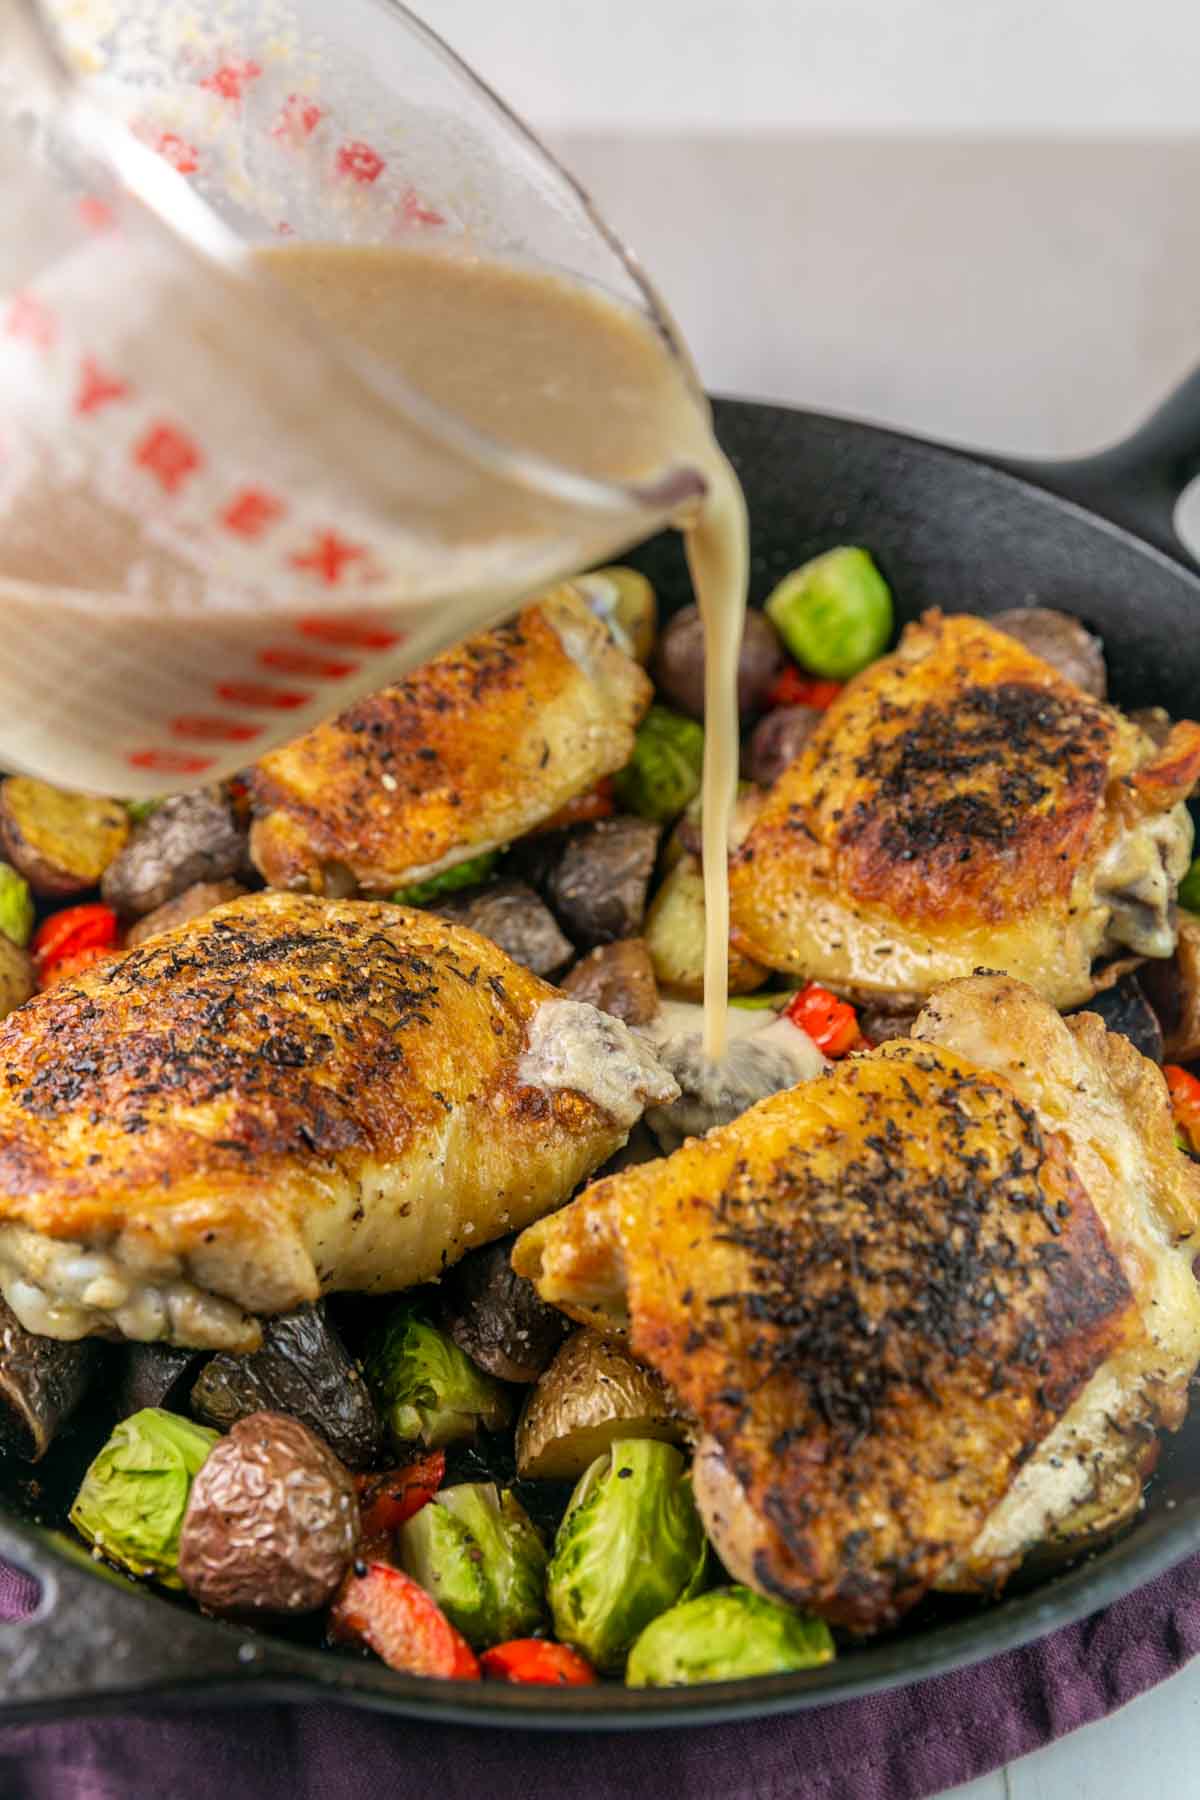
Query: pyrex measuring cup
[{"x": 219, "y": 522}]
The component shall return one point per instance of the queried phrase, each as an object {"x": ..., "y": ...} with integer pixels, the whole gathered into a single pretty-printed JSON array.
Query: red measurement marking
[
  {"x": 231, "y": 80},
  {"x": 96, "y": 215},
  {"x": 251, "y": 512},
  {"x": 96, "y": 389},
  {"x": 328, "y": 556},
  {"x": 306, "y": 662},
  {"x": 415, "y": 212},
  {"x": 283, "y": 229},
  {"x": 170, "y": 762},
  {"x": 213, "y": 731},
  {"x": 169, "y": 455},
  {"x": 298, "y": 118},
  {"x": 360, "y": 162},
  {"x": 350, "y": 634},
  {"x": 30, "y": 318},
  {"x": 257, "y": 693},
  {"x": 183, "y": 157}
]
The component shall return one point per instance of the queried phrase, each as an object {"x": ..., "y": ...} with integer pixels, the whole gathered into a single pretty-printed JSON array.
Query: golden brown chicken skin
[
  {"x": 876, "y": 1293},
  {"x": 284, "y": 1097},
  {"x": 468, "y": 752},
  {"x": 962, "y": 805}
]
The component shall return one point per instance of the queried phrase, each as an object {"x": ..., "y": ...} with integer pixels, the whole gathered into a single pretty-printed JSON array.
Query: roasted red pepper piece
[
  {"x": 64, "y": 967},
  {"x": 1184, "y": 1090},
  {"x": 386, "y": 1610},
  {"x": 598, "y": 803},
  {"x": 386, "y": 1501},
  {"x": 832, "y": 1024},
  {"x": 794, "y": 688},
  {"x": 73, "y": 929},
  {"x": 536, "y": 1662}
]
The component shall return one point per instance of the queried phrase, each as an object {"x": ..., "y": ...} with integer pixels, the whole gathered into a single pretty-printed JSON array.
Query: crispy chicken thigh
[
  {"x": 463, "y": 755},
  {"x": 285, "y": 1097},
  {"x": 894, "y": 1297},
  {"x": 964, "y": 805}
]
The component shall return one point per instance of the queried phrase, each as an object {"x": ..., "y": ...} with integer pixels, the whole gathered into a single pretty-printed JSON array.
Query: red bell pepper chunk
[
  {"x": 386, "y": 1610},
  {"x": 537, "y": 1663},
  {"x": 75, "y": 928},
  {"x": 65, "y": 968},
  {"x": 386, "y": 1501},
  {"x": 832, "y": 1024},
  {"x": 794, "y": 688},
  {"x": 1184, "y": 1089}
]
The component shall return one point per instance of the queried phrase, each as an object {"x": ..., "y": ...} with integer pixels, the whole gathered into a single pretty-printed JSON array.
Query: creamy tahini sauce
[{"x": 544, "y": 365}]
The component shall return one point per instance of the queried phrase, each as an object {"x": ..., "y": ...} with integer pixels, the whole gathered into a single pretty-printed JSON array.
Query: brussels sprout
[
  {"x": 139, "y": 810},
  {"x": 426, "y": 1389},
  {"x": 478, "y": 1553},
  {"x": 834, "y": 613},
  {"x": 1189, "y": 888},
  {"x": 664, "y": 771},
  {"x": 135, "y": 1493},
  {"x": 462, "y": 875},
  {"x": 630, "y": 1545},
  {"x": 725, "y": 1636},
  {"x": 16, "y": 906}
]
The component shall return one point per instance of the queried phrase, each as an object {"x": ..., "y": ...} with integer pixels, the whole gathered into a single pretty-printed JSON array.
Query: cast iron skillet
[{"x": 1094, "y": 538}]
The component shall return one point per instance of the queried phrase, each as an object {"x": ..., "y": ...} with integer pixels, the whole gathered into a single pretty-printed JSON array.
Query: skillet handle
[
  {"x": 1137, "y": 483},
  {"x": 89, "y": 1644}
]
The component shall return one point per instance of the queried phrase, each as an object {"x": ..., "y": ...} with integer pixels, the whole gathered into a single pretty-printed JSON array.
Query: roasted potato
[
  {"x": 1155, "y": 721},
  {"x": 42, "y": 1381},
  {"x": 272, "y": 1521},
  {"x": 679, "y": 663},
  {"x": 674, "y": 936},
  {"x": 1173, "y": 989},
  {"x": 154, "y": 1375},
  {"x": 592, "y": 1394},
  {"x": 60, "y": 842},
  {"x": 600, "y": 885},
  {"x": 303, "y": 1370},
  {"x": 687, "y": 839},
  {"x": 188, "y": 839},
  {"x": 512, "y": 915},
  {"x": 619, "y": 979},
  {"x": 777, "y": 741},
  {"x": 200, "y": 898},
  {"x": 1059, "y": 640},
  {"x": 17, "y": 976},
  {"x": 627, "y": 603},
  {"x": 498, "y": 1317},
  {"x": 1126, "y": 1010}
]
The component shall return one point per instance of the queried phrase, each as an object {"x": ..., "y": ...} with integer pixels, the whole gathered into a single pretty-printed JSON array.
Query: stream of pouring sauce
[{"x": 543, "y": 364}]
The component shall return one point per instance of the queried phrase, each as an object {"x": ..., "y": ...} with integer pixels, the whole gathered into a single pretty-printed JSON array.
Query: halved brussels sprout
[
  {"x": 476, "y": 1550},
  {"x": 727, "y": 1635},
  {"x": 834, "y": 613},
  {"x": 463, "y": 875},
  {"x": 1189, "y": 888},
  {"x": 630, "y": 1545},
  {"x": 664, "y": 772},
  {"x": 426, "y": 1389},
  {"x": 135, "y": 1493},
  {"x": 16, "y": 906}
]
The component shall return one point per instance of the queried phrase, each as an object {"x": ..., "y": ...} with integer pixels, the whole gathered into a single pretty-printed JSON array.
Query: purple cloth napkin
[{"x": 897, "y": 1746}]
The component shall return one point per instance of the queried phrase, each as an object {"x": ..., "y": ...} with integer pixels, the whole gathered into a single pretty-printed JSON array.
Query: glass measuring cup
[{"x": 218, "y": 521}]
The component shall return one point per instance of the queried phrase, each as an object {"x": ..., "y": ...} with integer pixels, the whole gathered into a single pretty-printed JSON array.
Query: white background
[
  {"x": 975, "y": 218},
  {"x": 978, "y": 218}
]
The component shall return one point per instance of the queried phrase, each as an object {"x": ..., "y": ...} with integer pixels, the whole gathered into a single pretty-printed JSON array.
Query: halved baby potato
[
  {"x": 592, "y": 1393},
  {"x": 674, "y": 934},
  {"x": 17, "y": 979},
  {"x": 60, "y": 842}
]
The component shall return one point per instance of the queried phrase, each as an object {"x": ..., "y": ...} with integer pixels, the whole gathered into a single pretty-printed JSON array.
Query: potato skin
[
  {"x": 619, "y": 979},
  {"x": 599, "y": 887},
  {"x": 59, "y": 841},
  {"x": 272, "y": 1522},
  {"x": 200, "y": 898},
  {"x": 498, "y": 1317},
  {"x": 1059, "y": 640},
  {"x": 592, "y": 1393},
  {"x": 188, "y": 839},
  {"x": 17, "y": 978},
  {"x": 515, "y": 918}
]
